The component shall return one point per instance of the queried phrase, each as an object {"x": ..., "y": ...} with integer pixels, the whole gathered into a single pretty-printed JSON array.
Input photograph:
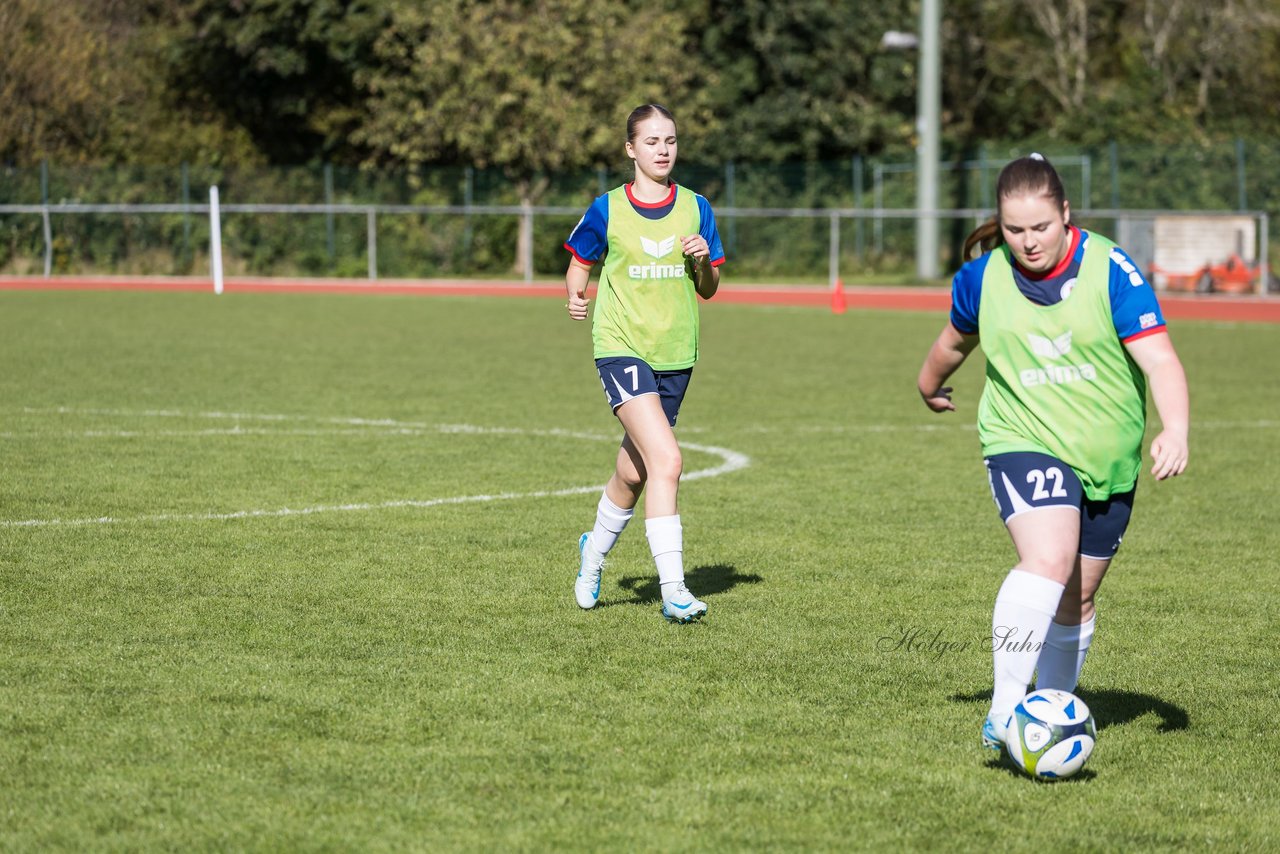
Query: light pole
[{"x": 928, "y": 108}]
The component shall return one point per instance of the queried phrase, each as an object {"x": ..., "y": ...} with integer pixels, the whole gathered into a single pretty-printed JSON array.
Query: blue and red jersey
[
  {"x": 590, "y": 238},
  {"x": 1134, "y": 308}
]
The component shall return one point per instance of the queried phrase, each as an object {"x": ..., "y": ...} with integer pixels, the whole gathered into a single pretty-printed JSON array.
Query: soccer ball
[{"x": 1051, "y": 734}]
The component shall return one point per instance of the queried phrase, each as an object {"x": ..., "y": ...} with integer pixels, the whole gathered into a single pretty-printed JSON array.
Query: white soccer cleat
[
  {"x": 682, "y": 606},
  {"x": 994, "y": 730},
  {"x": 586, "y": 588}
]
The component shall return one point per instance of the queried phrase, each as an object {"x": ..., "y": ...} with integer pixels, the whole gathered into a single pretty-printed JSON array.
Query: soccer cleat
[
  {"x": 993, "y": 732},
  {"x": 682, "y": 606},
  {"x": 586, "y": 589}
]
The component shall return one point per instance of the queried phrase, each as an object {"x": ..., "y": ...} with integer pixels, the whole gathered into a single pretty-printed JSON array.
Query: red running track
[{"x": 1255, "y": 309}]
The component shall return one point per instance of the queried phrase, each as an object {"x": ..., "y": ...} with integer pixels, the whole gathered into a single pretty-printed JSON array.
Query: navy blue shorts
[
  {"x": 1025, "y": 480},
  {"x": 625, "y": 377}
]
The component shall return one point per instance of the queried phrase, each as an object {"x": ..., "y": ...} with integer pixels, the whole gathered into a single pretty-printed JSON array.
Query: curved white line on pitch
[
  {"x": 387, "y": 424},
  {"x": 730, "y": 461}
]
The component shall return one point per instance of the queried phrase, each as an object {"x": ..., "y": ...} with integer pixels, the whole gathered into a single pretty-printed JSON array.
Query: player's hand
[
  {"x": 695, "y": 246},
  {"x": 577, "y": 305},
  {"x": 940, "y": 400},
  {"x": 1168, "y": 454}
]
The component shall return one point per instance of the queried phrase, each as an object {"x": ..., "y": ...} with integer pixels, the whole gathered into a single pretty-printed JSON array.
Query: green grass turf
[{"x": 418, "y": 677}]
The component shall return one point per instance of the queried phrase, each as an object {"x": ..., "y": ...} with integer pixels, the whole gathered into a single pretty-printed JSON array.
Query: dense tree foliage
[
  {"x": 531, "y": 88},
  {"x": 283, "y": 70},
  {"x": 60, "y": 79},
  {"x": 809, "y": 79},
  {"x": 534, "y": 86}
]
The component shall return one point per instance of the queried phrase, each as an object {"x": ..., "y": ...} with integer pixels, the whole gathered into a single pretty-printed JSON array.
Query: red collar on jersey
[
  {"x": 671, "y": 197},
  {"x": 1061, "y": 265}
]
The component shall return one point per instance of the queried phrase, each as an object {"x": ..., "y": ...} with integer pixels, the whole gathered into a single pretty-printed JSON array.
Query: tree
[
  {"x": 1066, "y": 29},
  {"x": 54, "y": 80},
  {"x": 808, "y": 80},
  {"x": 284, "y": 70},
  {"x": 1211, "y": 59},
  {"x": 84, "y": 80},
  {"x": 528, "y": 86}
]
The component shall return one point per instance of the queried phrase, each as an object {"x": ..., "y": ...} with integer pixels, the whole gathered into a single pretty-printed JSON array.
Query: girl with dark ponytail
[{"x": 1073, "y": 335}]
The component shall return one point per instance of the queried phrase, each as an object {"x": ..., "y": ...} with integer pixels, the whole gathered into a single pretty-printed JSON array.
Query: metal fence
[
  {"x": 837, "y": 223},
  {"x": 800, "y": 221}
]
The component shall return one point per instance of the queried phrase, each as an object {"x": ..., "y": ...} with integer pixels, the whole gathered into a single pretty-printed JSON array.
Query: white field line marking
[
  {"x": 388, "y": 424},
  {"x": 760, "y": 429},
  {"x": 188, "y": 434},
  {"x": 410, "y": 428},
  {"x": 260, "y": 431},
  {"x": 730, "y": 461},
  {"x": 1261, "y": 424}
]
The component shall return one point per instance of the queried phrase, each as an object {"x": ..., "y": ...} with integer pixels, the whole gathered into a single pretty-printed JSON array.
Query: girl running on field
[
  {"x": 1073, "y": 335},
  {"x": 660, "y": 251}
]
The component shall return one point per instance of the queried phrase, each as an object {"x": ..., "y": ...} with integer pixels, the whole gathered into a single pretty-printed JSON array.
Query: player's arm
[
  {"x": 1159, "y": 361},
  {"x": 706, "y": 276},
  {"x": 587, "y": 243},
  {"x": 705, "y": 251},
  {"x": 1140, "y": 325},
  {"x": 575, "y": 282},
  {"x": 946, "y": 355}
]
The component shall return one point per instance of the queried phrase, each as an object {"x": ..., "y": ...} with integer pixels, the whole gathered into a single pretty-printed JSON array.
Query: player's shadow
[
  {"x": 1112, "y": 707},
  {"x": 702, "y": 580}
]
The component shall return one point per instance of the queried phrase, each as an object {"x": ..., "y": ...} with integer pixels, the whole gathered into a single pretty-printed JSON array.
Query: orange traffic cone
[{"x": 837, "y": 298}]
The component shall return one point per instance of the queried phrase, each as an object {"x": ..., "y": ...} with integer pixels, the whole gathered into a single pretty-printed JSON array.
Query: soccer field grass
[{"x": 295, "y": 573}]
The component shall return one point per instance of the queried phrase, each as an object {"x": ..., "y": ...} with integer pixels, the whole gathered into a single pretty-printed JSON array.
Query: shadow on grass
[
  {"x": 702, "y": 580},
  {"x": 1111, "y": 707},
  {"x": 1005, "y": 764}
]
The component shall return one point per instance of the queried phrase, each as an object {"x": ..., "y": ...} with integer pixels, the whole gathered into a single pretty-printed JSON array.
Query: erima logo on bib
[
  {"x": 1050, "y": 348},
  {"x": 657, "y": 249},
  {"x": 1054, "y": 348}
]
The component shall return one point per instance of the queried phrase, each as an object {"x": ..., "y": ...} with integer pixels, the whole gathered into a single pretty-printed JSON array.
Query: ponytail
[{"x": 985, "y": 237}]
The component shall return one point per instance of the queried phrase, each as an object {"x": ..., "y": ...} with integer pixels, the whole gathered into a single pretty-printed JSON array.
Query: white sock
[
  {"x": 1024, "y": 608},
  {"x": 611, "y": 520},
  {"x": 1063, "y": 655},
  {"x": 666, "y": 541}
]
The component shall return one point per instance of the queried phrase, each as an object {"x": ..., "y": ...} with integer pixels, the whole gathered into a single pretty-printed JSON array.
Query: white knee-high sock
[
  {"x": 611, "y": 520},
  {"x": 666, "y": 542},
  {"x": 1062, "y": 658},
  {"x": 1024, "y": 608}
]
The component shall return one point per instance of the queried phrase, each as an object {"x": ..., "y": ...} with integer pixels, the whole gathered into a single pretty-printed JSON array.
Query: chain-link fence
[{"x": 790, "y": 222}]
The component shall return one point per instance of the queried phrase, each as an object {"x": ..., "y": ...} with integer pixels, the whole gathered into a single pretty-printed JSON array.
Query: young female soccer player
[
  {"x": 659, "y": 245},
  {"x": 1072, "y": 334}
]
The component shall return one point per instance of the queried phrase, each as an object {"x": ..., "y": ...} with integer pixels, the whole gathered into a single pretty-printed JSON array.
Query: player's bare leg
[{"x": 649, "y": 431}]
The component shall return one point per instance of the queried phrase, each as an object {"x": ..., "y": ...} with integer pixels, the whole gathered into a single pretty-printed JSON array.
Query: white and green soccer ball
[{"x": 1051, "y": 734}]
